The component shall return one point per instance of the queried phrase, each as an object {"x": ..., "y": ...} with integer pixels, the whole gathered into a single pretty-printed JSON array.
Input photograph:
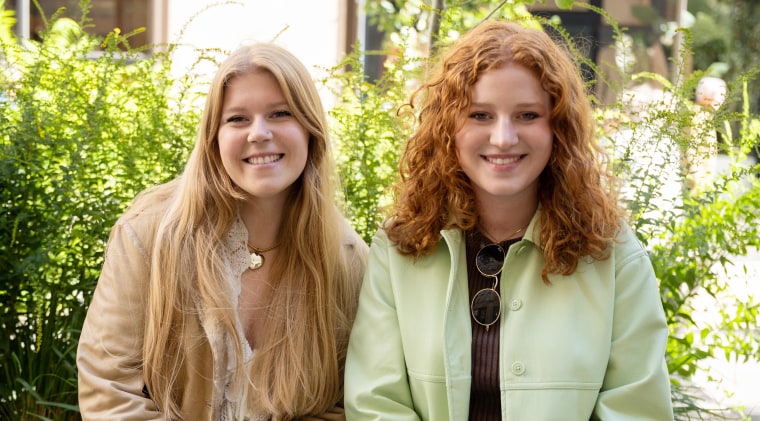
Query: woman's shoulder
[
  {"x": 351, "y": 239},
  {"x": 146, "y": 210},
  {"x": 627, "y": 244}
]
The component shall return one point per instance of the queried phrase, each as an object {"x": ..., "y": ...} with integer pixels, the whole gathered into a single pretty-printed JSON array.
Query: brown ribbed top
[{"x": 485, "y": 394}]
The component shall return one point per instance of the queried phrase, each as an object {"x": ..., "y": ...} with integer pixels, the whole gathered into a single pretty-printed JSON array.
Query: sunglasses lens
[
  {"x": 490, "y": 260},
  {"x": 486, "y": 307}
]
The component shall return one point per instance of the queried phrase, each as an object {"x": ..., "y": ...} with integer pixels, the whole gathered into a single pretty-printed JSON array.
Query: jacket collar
[{"x": 454, "y": 237}]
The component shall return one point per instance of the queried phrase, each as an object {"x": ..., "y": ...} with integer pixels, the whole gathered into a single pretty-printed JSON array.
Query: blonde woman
[{"x": 229, "y": 292}]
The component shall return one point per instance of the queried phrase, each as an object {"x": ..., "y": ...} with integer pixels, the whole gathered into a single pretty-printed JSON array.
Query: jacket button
[
  {"x": 515, "y": 304},
  {"x": 518, "y": 368}
]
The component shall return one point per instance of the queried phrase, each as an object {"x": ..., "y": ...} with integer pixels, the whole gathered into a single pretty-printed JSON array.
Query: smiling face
[
  {"x": 263, "y": 147},
  {"x": 506, "y": 140}
]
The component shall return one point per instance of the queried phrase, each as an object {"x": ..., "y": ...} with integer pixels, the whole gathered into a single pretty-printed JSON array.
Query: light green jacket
[{"x": 589, "y": 346}]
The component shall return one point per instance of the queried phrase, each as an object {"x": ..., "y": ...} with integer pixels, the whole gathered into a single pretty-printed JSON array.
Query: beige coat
[{"x": 109, "y": 357}]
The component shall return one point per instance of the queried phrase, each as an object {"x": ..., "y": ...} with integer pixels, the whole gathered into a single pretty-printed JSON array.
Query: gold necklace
[
  {"x": 490, "y": 237},
  {"x": 257, "y": 256}
]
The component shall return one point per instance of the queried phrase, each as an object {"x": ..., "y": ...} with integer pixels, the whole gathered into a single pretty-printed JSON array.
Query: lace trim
[{"x": 238, "y": 260}]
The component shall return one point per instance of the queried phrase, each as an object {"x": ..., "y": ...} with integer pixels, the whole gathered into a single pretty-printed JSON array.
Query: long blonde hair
[{"x": 298, "y": 367}]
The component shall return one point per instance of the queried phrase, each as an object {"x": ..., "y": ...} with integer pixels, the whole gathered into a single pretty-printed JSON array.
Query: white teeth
[
  {"x": 502, "y": 161},
  {"x": 259, "y": 160}
]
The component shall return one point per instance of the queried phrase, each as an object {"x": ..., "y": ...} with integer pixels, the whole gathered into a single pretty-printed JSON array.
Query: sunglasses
[{"x": 486, "y": 304}]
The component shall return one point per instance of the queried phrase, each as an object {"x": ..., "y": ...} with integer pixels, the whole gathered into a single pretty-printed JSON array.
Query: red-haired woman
[{"x": 506, "y": 283}]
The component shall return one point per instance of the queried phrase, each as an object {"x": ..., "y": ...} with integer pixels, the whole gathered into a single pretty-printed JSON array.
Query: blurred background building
[{"x": 318, "y": 32}]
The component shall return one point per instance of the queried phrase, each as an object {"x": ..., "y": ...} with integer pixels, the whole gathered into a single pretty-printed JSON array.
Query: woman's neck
[
  {"x": 262, "y": 219},
  {"x": 505, "y": 220}
]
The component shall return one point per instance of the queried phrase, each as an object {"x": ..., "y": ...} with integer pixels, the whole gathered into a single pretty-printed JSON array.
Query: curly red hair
[{"x": 580, "y": 212}]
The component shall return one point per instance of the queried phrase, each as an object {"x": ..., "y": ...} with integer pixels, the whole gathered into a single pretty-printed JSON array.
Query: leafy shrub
[
  {"x": 369, "y": 135},
  {"x": 80, "y": 134}
]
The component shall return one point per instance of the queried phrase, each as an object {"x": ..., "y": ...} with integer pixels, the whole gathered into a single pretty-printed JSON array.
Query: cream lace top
[{"x": 238, "y": 261}]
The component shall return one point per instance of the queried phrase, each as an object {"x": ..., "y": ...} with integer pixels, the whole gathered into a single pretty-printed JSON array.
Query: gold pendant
[{"x": 257, "y": 261}]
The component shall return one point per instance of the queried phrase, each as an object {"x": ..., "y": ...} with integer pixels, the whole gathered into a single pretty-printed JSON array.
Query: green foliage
[
  {"x": 711, "y": 39},
  {"x": 426, "y": 24},
  {"x": 85, "y": 124},
  {"x": 744, "y": 46},
  {"x": 369, "y": 134},
  {"x": 402, "y": 15}
]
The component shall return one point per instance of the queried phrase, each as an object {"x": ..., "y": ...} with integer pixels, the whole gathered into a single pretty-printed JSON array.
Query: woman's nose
[
  {"x": 259, "y": 131},
  {"x": 504, "y": 133}
]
